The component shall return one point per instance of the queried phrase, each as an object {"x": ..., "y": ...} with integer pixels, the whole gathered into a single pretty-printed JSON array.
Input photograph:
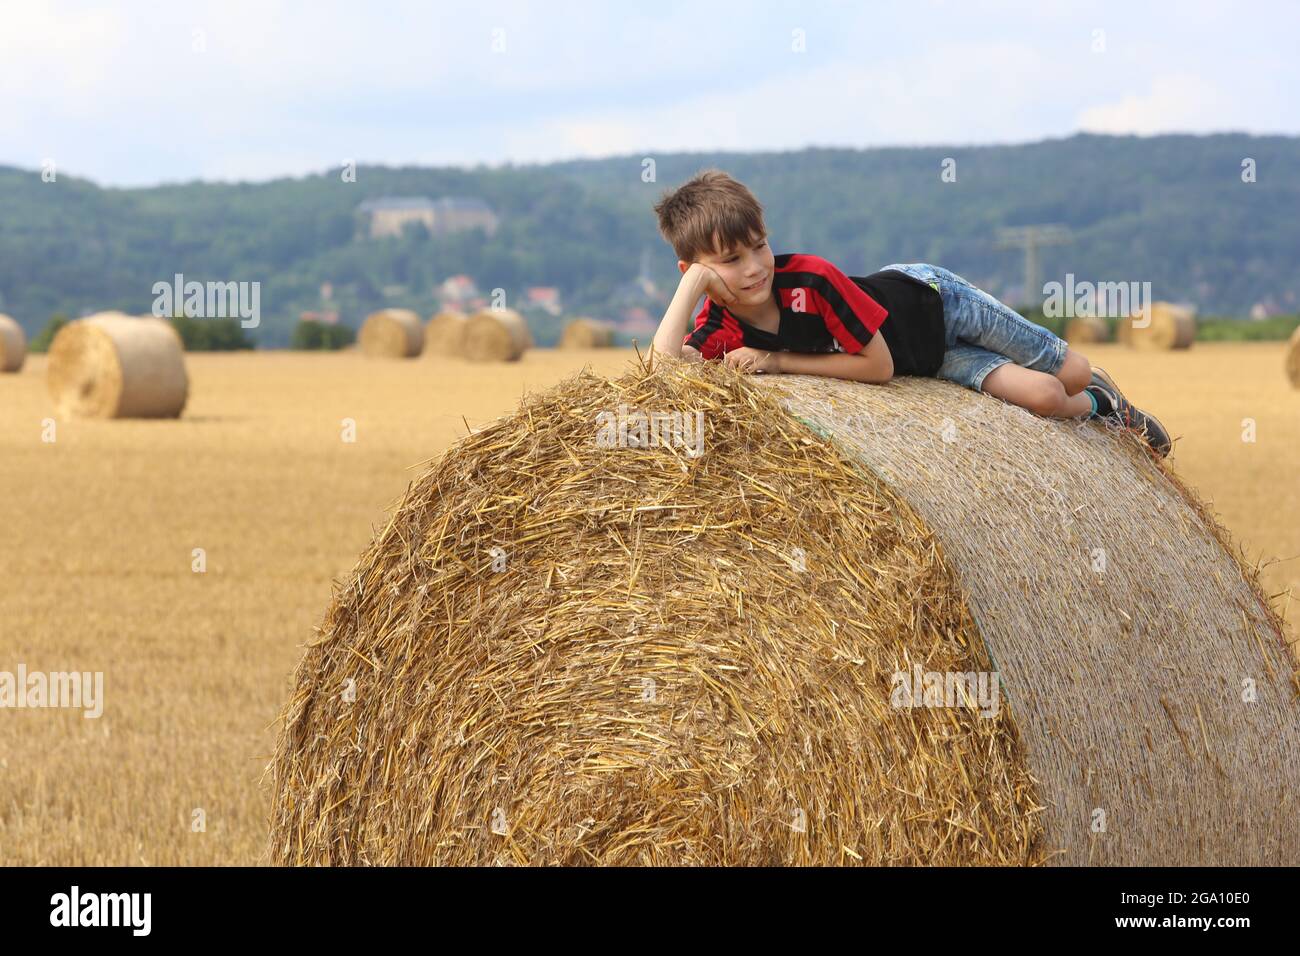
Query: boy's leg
[
  {"x": 1075, "y": 372},
  {"x": 993, "y": 348},
  {"x": 980, "y": 319},
  {"x": 1039, "y": 392},
  {"x": 985, "y": 371}
]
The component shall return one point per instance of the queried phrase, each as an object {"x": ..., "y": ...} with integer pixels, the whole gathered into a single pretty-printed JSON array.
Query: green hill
[{"x": 1172, "y": 210}]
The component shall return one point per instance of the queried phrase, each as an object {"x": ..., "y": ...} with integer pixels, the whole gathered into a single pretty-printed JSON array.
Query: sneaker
[{"x": 1129, "y": 415}]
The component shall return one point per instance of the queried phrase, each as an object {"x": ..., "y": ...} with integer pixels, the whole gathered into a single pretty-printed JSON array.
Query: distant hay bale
[
  {"x": 13, "y": 345},
  {"x": 391, "y": 333},
  {"x": 1293, "y": 358},
  {"x": 584, "y": 333},
  {"x": 112, "y": 365},
  {"x": 1171, "y": 327},
  {"x": 445, "y": 333},
  {"x": 567, "y": 648},
  {"x": 1085, "y": 330},
  {"x": 496, "y": 335}
]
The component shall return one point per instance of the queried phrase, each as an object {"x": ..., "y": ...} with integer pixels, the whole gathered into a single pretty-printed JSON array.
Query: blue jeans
[{"x": 982, "y": 333}]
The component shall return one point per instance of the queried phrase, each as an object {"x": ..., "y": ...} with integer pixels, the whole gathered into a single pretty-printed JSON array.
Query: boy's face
[{"x": 747, "y": 270}]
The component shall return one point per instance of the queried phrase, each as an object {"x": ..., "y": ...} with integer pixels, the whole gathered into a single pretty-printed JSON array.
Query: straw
[{"x": 680, "y": 659}]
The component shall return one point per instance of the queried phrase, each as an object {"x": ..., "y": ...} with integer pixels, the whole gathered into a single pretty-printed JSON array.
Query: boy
[{"x": 800, "y": 314}]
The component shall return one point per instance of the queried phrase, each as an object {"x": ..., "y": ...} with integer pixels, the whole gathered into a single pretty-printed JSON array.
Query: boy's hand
[
  {"x": 753, "y": 360},
  {"x": 714, "y": 287},
  {"x": 697, "y": 280}
]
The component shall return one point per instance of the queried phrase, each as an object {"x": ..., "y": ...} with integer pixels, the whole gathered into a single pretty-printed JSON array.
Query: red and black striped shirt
[{"x": 823, "y": 310}]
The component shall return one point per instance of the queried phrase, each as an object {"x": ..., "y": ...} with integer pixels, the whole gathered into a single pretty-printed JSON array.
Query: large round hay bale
[
  {"x": 13, "y": 345},
  {"x": 584, "y": 333},
  {"x": 1086, "y": 330},
  {"x": 1171, "y": 327},
  {"x": 112, "y": 365},
  {"x": 391, "y": 333},
  {"x": 687, "y": 641},
  {"x": 497, "y": 335},
  {"x": 1293, "y": 358},
  {"x": 445, "y": 333}
]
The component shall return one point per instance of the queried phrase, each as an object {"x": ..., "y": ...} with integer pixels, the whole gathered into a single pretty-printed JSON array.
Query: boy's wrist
[{"x": 698, "y": 277}]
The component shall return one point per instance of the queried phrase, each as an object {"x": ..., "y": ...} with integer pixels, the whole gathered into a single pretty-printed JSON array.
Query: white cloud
[
  {"x": 1175, "y": 102},
  {"x": 826, "y": 104},
  {"x": 117, "y": 92}
]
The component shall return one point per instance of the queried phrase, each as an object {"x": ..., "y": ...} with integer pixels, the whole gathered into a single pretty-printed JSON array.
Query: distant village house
[{"x": 544, "y": 297}]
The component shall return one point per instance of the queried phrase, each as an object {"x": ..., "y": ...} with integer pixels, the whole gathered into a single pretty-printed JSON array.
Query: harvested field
[{"x": 102, "y": 524}]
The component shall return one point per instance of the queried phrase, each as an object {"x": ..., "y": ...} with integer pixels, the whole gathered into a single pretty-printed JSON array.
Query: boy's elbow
[
  {"x": 880, "y": 360},
  {"x": 877, "y": 369}
]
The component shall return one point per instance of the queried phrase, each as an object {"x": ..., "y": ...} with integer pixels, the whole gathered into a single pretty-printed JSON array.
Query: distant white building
[{"x": 389, "y": 215}]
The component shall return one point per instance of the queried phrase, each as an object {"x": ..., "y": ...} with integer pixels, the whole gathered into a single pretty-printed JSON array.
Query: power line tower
[{"x": 1031, "y": 239}]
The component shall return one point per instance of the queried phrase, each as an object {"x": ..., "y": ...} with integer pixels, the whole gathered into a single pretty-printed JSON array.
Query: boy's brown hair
[{"x": 709, "y": 202}]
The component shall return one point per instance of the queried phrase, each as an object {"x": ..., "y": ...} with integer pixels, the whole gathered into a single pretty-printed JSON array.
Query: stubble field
[{"x": 100, "y": 527}]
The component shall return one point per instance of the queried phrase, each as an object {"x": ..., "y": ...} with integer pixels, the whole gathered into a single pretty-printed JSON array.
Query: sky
[{"x": 138, "y": 93}]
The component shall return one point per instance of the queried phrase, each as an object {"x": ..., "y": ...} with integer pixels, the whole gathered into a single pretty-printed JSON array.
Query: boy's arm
[
  {"x": 873, "y": 364},
  {"x": 672, "y": 328}
]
